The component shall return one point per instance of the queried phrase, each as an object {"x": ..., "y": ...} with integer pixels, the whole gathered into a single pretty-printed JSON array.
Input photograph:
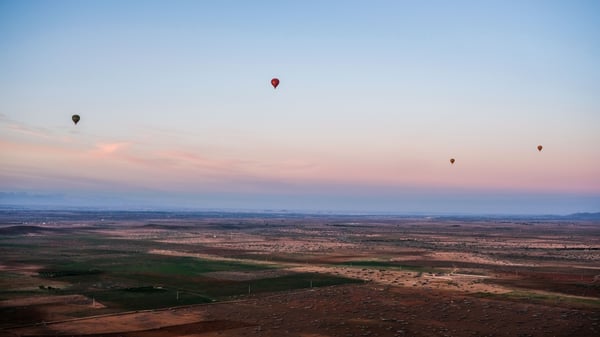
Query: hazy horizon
[
  {"x": 177, "y": 109},
  {"x": 64, "y": 202}
]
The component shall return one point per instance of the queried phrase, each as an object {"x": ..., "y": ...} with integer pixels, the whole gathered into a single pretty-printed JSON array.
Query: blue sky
[{"x": 375, "y": 97}]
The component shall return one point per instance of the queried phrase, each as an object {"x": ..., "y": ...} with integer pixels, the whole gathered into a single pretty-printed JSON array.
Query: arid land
[{"x": 83, "y": 273}]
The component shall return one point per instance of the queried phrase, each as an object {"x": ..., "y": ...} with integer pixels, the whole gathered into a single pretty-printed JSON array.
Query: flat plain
[{"x": 101, "y": 273}]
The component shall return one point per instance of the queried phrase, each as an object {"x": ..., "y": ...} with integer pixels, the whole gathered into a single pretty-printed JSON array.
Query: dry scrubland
[{"x": 216, "y": 274}]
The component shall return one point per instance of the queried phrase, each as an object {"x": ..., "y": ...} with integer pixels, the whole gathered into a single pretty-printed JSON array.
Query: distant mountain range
[
  {"x": 116, "y": 213},
  {"x": 584, "y": 216}
]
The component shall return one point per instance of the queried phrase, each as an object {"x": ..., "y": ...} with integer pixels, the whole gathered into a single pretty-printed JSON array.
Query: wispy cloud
[{"x": 19, "y": 127}]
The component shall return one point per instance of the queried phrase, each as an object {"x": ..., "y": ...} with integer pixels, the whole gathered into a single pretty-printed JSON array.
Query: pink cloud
[
  {"x": 109, "y": 148},
  {"x": 185, "y": 167}
]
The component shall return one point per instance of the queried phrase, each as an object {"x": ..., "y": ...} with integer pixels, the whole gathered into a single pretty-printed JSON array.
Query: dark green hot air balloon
[{"x": 75, "y": 119}]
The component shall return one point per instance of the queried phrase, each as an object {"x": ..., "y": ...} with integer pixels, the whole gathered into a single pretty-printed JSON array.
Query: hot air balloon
[
  {"x": 452, "y": 161},
  {"x": 540, "y": 148},
  {"x": 275, "y": 82},
  {"x": 75, "y": 119}
]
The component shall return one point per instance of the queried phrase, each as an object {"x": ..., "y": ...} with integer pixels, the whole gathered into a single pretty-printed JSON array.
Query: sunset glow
[{"x": 177, "y": 107}]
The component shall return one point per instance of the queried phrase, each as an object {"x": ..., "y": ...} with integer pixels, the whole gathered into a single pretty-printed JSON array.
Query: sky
[{"x": 177, "y": 109}]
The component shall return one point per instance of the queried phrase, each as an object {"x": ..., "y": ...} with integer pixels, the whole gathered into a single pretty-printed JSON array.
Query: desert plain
[{"x": 146, "y": 274}]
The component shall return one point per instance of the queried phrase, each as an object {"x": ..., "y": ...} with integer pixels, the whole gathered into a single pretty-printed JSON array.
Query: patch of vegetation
[
  {"x": 141, "y": 298},
  {"x": 63, "y": 273},
  {"x": 298, "y": 281},
  {"x": 177, "y": 292},
  {"x": 389, "y": 265},
  {"x": 144, "y": 264},
  {"x": 185, "y": 266},
  {"x": 135, "y": 280},
  {"x": 145, "y": 289}
]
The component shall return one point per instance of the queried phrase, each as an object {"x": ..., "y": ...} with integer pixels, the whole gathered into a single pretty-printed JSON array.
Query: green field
[
  {"x": 121, "y": 275},
  {"x": 388, "y": 265}
]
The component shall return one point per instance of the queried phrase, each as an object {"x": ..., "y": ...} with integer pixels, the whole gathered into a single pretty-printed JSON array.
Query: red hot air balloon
[
  {"x": 451, "y": 160},
  {"x": 540, "y": 148},
  {"x": 275, "y": 82}
]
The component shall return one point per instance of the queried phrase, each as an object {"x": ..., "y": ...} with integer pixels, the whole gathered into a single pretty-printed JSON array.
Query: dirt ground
[
  {"x": 351, "y": 310},
  {"x": 421, "y": 277}
]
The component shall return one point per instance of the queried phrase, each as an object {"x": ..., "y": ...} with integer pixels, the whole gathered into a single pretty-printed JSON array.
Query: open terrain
[{"x": 84, "y": 273}]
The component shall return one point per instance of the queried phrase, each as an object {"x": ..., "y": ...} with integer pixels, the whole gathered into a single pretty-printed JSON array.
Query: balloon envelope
[
  {"x": 275, "y": 82},
  {"x": 451, "y": 160},
  {"x": 75, "y": 118},
  {"x": 540, "y": 148}
]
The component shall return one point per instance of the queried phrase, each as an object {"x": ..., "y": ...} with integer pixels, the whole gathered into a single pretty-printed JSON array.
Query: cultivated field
[{"x": 219, "y": 274}]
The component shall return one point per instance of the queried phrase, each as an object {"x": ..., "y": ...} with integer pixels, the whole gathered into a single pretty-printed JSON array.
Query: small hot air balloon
[
  {"x": 452, "y": 161},
  {"x": 75, "y": 119},
  {"x": 540, "y": 148},
  {"x": 275, "y": 82}
]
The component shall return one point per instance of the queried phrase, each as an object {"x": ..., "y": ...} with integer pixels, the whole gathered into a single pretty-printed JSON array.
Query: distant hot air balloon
[
  {"x": 275, "y": 82},
  {"x": 75, "y": 119},
  {"x": 452, "y": 161},
  {"x": 540, "y": 148}
]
